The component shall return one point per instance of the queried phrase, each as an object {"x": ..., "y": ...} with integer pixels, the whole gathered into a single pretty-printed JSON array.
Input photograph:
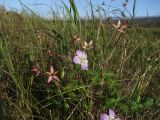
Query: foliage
[{"x": 123, "y": 68}]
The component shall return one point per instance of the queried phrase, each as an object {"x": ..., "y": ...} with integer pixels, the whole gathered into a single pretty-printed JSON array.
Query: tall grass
[{"x": 123, "y": 68}]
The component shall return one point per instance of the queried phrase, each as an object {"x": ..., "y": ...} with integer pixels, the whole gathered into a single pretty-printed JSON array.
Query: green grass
[{"x": 123, "y": 70}]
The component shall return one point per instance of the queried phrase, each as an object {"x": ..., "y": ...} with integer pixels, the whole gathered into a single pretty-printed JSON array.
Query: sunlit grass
[{"x": 123, "y": 68}]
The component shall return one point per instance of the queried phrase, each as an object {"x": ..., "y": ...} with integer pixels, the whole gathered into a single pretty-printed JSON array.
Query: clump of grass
[{"x": 123, "y": 71}]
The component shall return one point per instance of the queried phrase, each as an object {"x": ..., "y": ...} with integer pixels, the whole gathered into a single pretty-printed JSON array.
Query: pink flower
[
  {"x": 111, "y": 116},
  {"x": 52, "y": 75},
  {"x": 36, "y": 69},
  {"x": 81, "y": 58}
]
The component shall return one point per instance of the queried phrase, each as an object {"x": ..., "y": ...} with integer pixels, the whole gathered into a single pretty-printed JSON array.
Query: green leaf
[
  {"x": 70, "y": 16},
  {"x": 123, "y": 107},
  {"x": 136, "y": 107},
  {"x": 110, "y": 103},
  {"x": 149, "y": 103},
  {"x": 158, "y": 101}
]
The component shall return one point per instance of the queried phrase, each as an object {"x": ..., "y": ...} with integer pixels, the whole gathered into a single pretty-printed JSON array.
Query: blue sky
[{"x": 152, "y": 7}]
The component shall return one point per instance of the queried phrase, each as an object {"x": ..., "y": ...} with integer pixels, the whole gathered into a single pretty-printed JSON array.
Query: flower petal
[
  {"x": 76, "y": 60},
  {"x": 84, "y": 47},
  {"x": 79, "y": 53},
  {"x": 49, "y": 79},
  {"x": 38, "y": 73},
  {"x": 84, "y": 66},
  {"x": 84, "y": 61},
  {"x": 111, "y": 114},
  {"x": 48, "y": 73},
  {"x": 85, "y": 43},
  {"x": 35, "y": 70},
  {"x": 90, "y": 43},
  {"x": 84, "y": 55},
  {"x": 51, "y": 69},
  {"x": 55, "y": 77},
  {"x": 104, "y": 117}
]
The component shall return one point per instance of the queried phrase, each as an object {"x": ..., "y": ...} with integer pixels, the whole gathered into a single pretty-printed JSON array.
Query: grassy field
[{"x": 123, "y": 69}]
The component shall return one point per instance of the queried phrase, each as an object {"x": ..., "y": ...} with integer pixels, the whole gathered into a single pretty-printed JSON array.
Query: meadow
[{"x": 74, "y": 69}]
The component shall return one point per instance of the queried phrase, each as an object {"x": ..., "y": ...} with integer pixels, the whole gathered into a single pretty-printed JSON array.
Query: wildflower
[
  {"x": 52, "y": 75},
  {"x": 111, "y": 116},
  {"x": 119, "y": 27},
  {"x": 76, "y": 39},
  {"x": 88, "y": 46},
  {"x": 36, "y": 69},
  {"x": 81, "y": 58}
]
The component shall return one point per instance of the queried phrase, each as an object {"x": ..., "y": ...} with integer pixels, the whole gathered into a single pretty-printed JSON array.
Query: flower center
[{"x": 82, "y": 60}]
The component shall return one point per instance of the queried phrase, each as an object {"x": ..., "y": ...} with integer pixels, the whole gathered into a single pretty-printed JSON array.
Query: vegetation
[{"x": 123, "y": 68}]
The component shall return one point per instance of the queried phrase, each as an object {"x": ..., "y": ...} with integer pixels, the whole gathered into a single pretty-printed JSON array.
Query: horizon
[{"x": 43, "y": 7}]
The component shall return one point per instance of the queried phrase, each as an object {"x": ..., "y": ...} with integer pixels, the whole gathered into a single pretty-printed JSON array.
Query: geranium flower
[
  {"x": 81, "y": 58},
  {"x": 52, "y": 75},
  {"x": 111, "y": 116}
]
